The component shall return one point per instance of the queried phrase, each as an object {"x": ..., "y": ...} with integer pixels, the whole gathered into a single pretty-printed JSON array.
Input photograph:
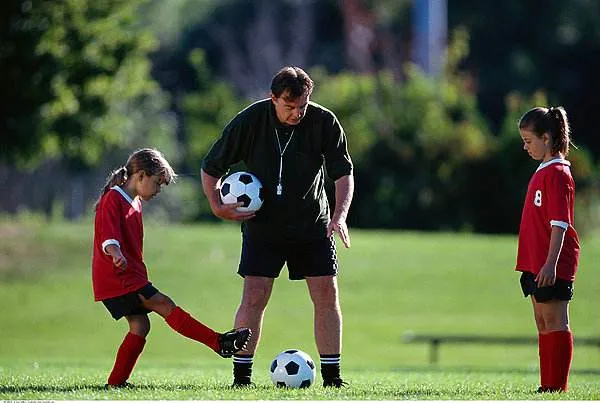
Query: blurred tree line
[{"x": 89, "y": 81}]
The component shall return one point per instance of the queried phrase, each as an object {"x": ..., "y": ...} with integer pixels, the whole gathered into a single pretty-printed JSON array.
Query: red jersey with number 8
[
  {"x": 549, "y": 202},
  {"x": 118, "y": 221}
]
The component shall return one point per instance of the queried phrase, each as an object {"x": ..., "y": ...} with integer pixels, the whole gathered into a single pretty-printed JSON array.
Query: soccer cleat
[
  {"x": 233, "y": 341},
  {"x": 334, "y": 383},
  {"x": 237, "y": 383},
  {"x": 543, "y": 389},
  {"x": 119, "y": 386}
]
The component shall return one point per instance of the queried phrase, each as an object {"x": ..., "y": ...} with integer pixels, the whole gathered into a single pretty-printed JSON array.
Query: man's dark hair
[{"x": 292, "y": 79}]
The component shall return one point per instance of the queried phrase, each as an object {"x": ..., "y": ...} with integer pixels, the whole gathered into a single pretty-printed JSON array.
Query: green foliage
[
  {"x": 207, "y": 110},
  {"x": 169, "y": 20},
  {"x": 409, "y": 141},
  {"x": 425, "y": 157},
  {"x": 524, "y": 46},
  {"x": 91, "y": 67}
]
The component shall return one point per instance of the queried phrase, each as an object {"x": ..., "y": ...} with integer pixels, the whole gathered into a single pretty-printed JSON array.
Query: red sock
[
  {"x": 561, "y": 343},
  {"x": 545, "y": 351},
  {"x": 128, "y": 353},
  {"x": 183, "y": 323}
]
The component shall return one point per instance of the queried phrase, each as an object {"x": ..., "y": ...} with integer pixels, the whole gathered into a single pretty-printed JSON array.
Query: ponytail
[
  {"x": 148, "y": 160},
  {"x": 116, "y": 178},
  {"x": 558, "y": 126},
  {"x": 552, "y": 121}
]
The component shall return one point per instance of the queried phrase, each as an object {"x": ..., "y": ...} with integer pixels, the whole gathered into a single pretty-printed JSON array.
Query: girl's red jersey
[
  {"x": 549, "y": 202},
  {"x": 118, "y": 221}
]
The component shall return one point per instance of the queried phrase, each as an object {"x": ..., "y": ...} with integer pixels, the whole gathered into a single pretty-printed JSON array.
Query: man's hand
[
  {"x": 211, "y": 187},
  {"x": 339, "y": 226},
  {"x": 229, "y": 212}
]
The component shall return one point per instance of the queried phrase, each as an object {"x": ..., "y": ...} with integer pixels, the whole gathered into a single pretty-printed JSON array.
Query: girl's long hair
[
  {"x": 553, "y": 121},
  {"x": 148, "y": 160}
]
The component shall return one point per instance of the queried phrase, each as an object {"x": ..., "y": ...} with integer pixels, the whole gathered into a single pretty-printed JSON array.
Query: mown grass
[
  {"x": 182, "y": 382},
  {"x": 56, "y": 343}
]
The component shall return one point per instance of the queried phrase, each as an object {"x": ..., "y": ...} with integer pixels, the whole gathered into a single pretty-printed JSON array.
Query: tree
[
  {"x": 70, "y": 68},
  {"x": 527, "y": 46}
]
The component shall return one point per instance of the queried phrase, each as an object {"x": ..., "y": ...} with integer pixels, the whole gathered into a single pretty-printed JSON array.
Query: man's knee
[
  {"x": 327, "y": 300},
  {"x": 324, "y": 292},
  {"x": 256, "y": 295},
  {"x": 255, "y": 299}
]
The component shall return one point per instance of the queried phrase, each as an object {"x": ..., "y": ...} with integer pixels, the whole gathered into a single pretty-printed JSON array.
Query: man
[{"x": 289, "y": 143}]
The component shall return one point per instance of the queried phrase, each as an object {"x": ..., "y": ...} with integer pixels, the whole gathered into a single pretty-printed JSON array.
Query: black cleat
[
  {"x": 242, "y": 384},
  {"x": 545, "y": 389},
  {"x": 119, "y": 386},
  {"x": 334, "y": 383},
  {"x": 233, "y": 341}
]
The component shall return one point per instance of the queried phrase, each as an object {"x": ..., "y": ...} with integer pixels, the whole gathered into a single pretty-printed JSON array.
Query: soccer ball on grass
[
  {"x": 242, "y": 187},
  {"x": 293, "y": 369}
]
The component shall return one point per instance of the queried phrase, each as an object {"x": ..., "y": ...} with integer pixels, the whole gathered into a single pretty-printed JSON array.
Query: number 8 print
[{"x": 538, "y": 198}]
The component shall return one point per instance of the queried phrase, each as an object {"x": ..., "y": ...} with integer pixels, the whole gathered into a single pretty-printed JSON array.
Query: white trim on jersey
[
  {"x": 562, "y": 224},
  {"x": 123, "y": 193},
  {"x": 553, "y": 161},
  {"x": 110, "y": 242}
]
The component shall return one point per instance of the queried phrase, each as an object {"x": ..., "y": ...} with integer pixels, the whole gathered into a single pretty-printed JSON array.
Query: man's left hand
[{"x": 341, "y": 228}]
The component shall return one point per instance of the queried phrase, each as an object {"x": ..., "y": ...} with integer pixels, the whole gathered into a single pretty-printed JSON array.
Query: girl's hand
[
  {"x": 547, "y": 276},
  {"x": 229, "y": 212},
  {"x": 119, "y": 260},
  {"x": 117, "y": 256}
]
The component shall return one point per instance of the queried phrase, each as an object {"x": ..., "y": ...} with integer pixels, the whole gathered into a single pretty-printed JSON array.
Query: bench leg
[{"x": 434, "y": 352}]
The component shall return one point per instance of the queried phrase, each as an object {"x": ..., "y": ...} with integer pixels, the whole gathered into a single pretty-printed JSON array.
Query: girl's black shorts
[
  {"x": 562, "y": 290},
  {"x": 129, "y": 304},
  {"x": 311, "y": 258}
]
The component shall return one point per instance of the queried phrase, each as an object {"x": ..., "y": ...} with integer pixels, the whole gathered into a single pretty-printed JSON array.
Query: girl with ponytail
[
  {"x": 119, "y": 275},
  {"x": 548, "y": 251}
]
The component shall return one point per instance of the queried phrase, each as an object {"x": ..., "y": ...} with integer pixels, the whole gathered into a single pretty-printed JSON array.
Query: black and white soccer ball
[
  {"x": 293, "y": 369},
  {"x": 242, "y": 187}
]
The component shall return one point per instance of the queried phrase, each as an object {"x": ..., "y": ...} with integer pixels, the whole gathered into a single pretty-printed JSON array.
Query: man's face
[{"x": 290, "y": 112}]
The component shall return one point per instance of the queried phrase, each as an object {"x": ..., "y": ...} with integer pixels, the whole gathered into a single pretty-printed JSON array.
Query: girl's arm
[
  {"x": 547, "y": 275},
  {"x": 117, "y": 256}
]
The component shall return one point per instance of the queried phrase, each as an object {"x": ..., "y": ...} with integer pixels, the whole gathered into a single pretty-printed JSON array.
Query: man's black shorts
[
  {"x": 129, "y": 304},
  {"x": 312, "y": 258},
  {"x": 562, "y": 290}
]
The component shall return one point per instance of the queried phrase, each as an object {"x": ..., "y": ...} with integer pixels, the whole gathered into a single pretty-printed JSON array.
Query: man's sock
[
  {"x": 127, "y": 356},
  {"x": 184, "y": 324},
  {"x": 562, "y": 354},
  {"x": 330, "y": 366},
  {"x": 242, "y": 369},
  {"x": 545, "y": 352}
]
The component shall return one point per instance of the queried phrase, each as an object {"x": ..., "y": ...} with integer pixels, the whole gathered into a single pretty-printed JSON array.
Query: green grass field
[{"x": 56, "y": 343}]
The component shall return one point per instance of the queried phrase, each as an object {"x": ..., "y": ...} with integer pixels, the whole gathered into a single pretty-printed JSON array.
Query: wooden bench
[{"x": 436, "y": 340}]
